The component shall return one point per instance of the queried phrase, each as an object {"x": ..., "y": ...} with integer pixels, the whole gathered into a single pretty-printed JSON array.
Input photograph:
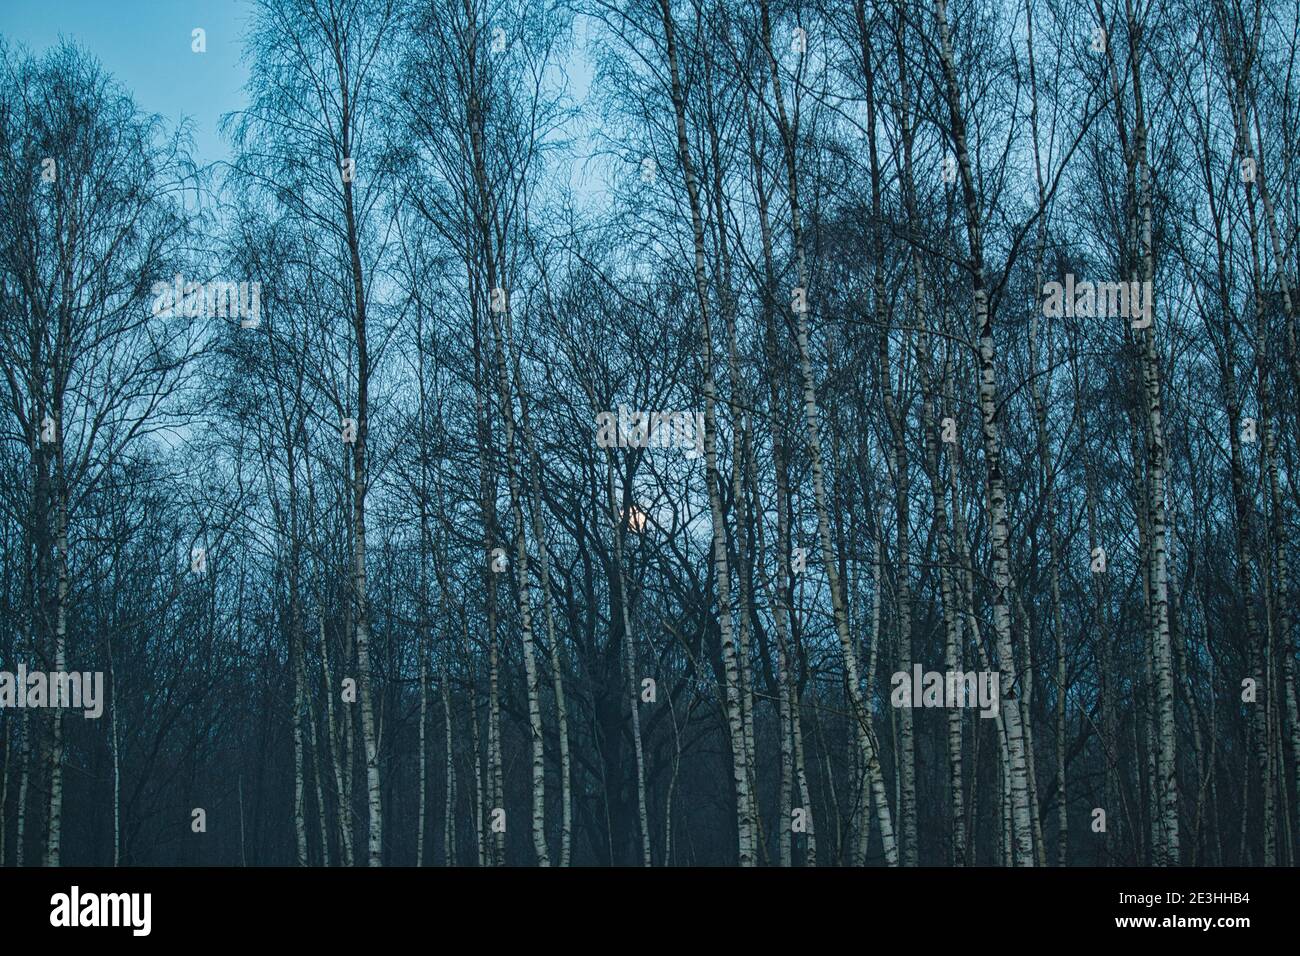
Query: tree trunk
[
  {"x": 731, "y": 668},
  {"x": 999, "y": 533}
]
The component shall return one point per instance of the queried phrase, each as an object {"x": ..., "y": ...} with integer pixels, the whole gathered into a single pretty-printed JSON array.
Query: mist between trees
[{"x": 395, "y": 575}]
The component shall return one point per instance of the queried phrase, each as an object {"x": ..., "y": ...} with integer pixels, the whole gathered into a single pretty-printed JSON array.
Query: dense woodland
[{"x": 369, "y": 586}]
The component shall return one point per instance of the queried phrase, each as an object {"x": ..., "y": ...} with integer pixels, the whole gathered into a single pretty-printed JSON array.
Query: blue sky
[{"x": 146, "y": 44}]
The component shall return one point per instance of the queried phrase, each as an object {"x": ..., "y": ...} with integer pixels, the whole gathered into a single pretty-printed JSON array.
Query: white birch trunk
[
  {"x": 999, "y": 532},
  {"x": 731, "y": 668}
]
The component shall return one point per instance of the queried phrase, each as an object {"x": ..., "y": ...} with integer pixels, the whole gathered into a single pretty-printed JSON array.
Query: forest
[{"x": 651, "y": 433}]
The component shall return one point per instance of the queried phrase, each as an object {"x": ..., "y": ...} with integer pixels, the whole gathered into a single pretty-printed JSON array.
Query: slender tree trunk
[
  {"x": 1142, "y": 266},
  {"x": 55, "y": 843},
  {"x": 1045, "y": 457},
  {"x": 781, "y": 596},
  {"x": 731, "y": 668},
  {"x": 341, "y": 788},
  {"x": 860, "y": 709},
  {"x": 449, "y": 823},
  {"x": 299, "y": 818},
  {"x": 999, "y": 533},
  {"x": 361, "y": 610},
  {"x": 317, "y": 758},
  {"x": 552, "y": 638},
  {"x": 620, "y": 513},
  {"x": 421, "y": 805},
  {"x": 494, "y": 259},
  {"x": 480, "y": 790}
]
